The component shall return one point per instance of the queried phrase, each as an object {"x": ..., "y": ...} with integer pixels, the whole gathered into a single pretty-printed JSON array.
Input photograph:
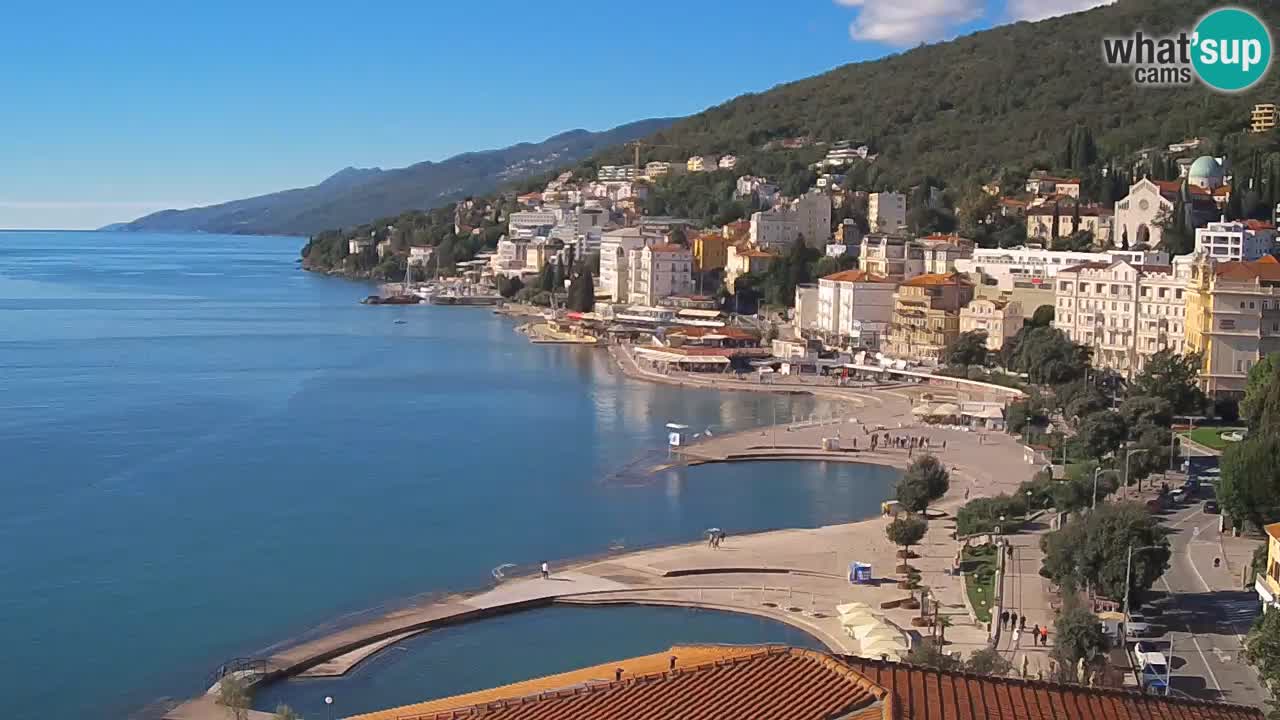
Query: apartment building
[
  {"x": 812, "y": 212},
  {"x": 660, "y": 271},
  {"x": 845, "y": 153},
  {"x": 1125, "y": 312},
  {"x": 615, "y": 255},
  {"x": 891, "y": 256},
  {"x": 728, "y": 162},
  {"x": 1236, "y": 241},
  {"x": 616, "y": 173},
  {"x": 926, "y": 316},
  {"x": 854, "y": 308},
  {"x": 1024, "y": 267},
  {"x": 887, "y": 212},
  {"x": 999, "y": 319},
  {"x": 710, "y": 251},
  {"x": 742, "y": 260},
  {"x": 1093, "y": 218},
  {"x": 773, "y": 230},
  {"x": 658, "y": 169},
  {"x": 1263, "y": 119},
  {"x": 1232, "y": 320},
  {"x": 702, "y": 163}
]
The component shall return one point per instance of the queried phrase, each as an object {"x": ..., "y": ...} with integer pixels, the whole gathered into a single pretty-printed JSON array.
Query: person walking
[
  {"x": 1013, "y": 620},
  {"x": 1035, "y": 634},
  {"x": 1044, "y": 636},
  {"x": 1022, "y": 623},
  {"x": 1004, "y": 619},
  {"x": 546, "y": 571}
]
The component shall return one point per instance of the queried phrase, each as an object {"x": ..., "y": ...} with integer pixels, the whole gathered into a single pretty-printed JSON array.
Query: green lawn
[
  {"x": 979, "y": 566},
  {"x": 1210, "y": 437}
]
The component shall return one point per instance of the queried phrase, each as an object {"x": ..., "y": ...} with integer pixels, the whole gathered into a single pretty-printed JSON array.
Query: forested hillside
[{"x": 1002, "y": 98}]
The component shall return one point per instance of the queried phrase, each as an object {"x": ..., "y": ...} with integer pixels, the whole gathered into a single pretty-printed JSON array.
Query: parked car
[
  {"x": 1138, "y": 628},
  {"x": 1210, "y": 507},
  {"x": 1179, "y": 496}
]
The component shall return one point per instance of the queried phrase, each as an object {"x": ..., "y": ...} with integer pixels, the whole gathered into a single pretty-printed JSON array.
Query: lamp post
[
  {"x": 1028, "y": 513},
  {"x": 1096, "y": 473},
  {"x": 1129, "y": 456},
  {"x": 328, "y": 701}
]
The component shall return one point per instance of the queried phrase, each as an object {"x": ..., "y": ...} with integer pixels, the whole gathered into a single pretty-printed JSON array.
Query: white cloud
[
  {"x": 1040, "y": 9},
  {"x": 909, "y": 22}
]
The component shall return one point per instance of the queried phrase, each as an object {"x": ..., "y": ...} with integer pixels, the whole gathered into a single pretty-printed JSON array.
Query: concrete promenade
[{"x": 794, "y": 576}]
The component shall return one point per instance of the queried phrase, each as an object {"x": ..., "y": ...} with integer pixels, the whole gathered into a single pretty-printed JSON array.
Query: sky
[{"x": 114, "y": 110}]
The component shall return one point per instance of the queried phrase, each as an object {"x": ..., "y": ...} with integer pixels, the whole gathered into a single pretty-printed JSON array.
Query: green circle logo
[{"x": 1231, "y": 49}]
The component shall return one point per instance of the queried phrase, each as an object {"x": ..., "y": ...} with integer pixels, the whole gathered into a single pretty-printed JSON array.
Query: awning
[{"x": 670, "y": 357}]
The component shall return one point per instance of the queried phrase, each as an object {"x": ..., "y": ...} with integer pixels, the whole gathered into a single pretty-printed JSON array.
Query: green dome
[{"x": 1205, "y": 171}]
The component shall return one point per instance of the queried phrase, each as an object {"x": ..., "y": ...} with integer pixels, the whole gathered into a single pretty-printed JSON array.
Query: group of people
[
  {"x": 714, "y": 538},
  {"x": 1010, "y": 621},
  {"x": 910, "y": 443}
]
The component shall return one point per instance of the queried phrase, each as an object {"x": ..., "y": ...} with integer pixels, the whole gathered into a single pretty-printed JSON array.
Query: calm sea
[{"x": 207, "y": 450}]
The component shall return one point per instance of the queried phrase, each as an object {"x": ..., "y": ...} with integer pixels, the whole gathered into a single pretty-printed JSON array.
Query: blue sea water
[{"x": 207, "y": 450}]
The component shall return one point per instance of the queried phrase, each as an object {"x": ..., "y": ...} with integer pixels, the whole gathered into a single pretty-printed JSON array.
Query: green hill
[{"x": 1002, "y": 98}]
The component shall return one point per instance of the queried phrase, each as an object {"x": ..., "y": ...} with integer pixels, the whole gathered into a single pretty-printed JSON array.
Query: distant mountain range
[{"x": 353, "y": 196}]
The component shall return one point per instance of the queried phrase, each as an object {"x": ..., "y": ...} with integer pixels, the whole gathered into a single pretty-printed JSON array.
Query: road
[{"x": 1206, "y": 614}]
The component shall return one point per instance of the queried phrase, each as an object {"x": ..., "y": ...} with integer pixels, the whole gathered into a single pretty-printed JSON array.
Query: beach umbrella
[{"x": 851, "y": 607}]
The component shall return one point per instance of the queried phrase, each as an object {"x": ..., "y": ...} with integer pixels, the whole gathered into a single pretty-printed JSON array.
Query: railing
[{"x": 257, "y": 666}]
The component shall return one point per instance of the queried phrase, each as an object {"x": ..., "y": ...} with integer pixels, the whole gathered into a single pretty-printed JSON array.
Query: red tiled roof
[
  {"x": 930, "y": 279},
  {"x": 729, "y": 332},
  {"x": 1173, "y": 187},
  {"x": 781, "y": 683},
  {"x": 793, "y": 684},
  {"x": 1268, "y": 268},
  {"x": 1273, "y": 530},
  {"x": 854, "y": 276},
  {"x": 921, "y": 693},
  {"x": 668, "y": 248},
  {"x": 1259, "y": 225}
]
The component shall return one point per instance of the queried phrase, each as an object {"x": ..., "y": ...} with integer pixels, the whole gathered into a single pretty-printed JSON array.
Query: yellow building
[
  {"x": 1232, "y": 320},
  {"x": 926, "y": 316},
  {"x": 710, "y": 251},
  {"x": 1267, "y": 584},
  {"x": 1263, "y": 118}
]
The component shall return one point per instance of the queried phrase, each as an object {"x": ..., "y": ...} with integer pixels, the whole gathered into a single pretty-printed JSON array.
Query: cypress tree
[
  {"x": 1057, "y": 220},
  {"x": 1075, "y": 217}
]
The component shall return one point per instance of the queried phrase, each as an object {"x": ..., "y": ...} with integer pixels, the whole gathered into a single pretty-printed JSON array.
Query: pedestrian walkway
[{"x": 1029, "y": 595}]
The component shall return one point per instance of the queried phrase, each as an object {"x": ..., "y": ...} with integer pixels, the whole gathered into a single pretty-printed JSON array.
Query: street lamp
[
  {"x": 1127, "y": 458},
  {"x": 1096, "y": 473},
  {"x": 1028, "y": 506},
  {"x": 328, "y": 701}
]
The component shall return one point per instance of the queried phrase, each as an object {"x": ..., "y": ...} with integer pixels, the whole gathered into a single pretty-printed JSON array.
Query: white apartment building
[
  {"x": 812, "y": 212},
  {"x": 773, "y": 230},
  {"x": 854, "y": 308},
  {"x": 1125, "y": 312},
  {"x": 702, "y": 163},
  {"x": 615, "y": 253},
  {"x": 1236, "y": 241},
  {"x": 844, "y": 153},
  {"x": 526, "y": 224},
  {"x": 658, "y": 169},
  {"x": 616, "y": 173},
  {"x": 887, "y": 212},
  {"x": 999, "y": 319},
  {"x": 509, "y": 258},
  {"x": 805, "y": 317},
  {"x": 891, "y": 256},
  {"x": 659, "y": 271},
  {"x": 728, "y": 162},
  {"x": 1035, "y": 266}
]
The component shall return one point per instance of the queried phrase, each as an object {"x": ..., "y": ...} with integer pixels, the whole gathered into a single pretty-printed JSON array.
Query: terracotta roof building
[
  {"x": 778, "y": 683},
  {"x": 1233, "y": 320},
  {"x": 926, "y": 316}
]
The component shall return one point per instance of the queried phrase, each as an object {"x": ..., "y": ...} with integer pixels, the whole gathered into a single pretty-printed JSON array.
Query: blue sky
[{"x": 113, "y": 110}]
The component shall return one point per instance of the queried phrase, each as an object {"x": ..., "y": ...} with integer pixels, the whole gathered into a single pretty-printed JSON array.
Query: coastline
[{"x": 686, "y": 575}]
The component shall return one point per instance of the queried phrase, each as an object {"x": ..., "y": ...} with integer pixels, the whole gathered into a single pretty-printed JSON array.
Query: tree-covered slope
[{"x": 1005, "y": 97}]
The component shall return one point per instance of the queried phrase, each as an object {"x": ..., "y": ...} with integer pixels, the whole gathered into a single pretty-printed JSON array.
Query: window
[{"x": 1226, "y": 324}]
